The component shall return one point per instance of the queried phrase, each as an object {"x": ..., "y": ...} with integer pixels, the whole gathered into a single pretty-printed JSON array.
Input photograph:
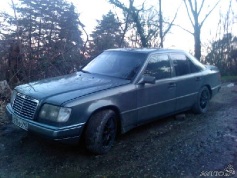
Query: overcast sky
[{"x": 92, "y": 10}]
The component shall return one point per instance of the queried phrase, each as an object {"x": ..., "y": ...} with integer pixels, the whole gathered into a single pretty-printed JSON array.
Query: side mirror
[{"x": 147, "y": 79}]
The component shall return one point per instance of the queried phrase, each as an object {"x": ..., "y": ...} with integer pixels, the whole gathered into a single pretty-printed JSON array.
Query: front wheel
[
  {"x": 101, "y": 132},
  {"x": 202, "y": 102}
]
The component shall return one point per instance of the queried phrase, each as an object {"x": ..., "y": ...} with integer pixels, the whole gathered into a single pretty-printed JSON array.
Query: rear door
[
  {"x": 159, "y": 98},
  {"x": 188, "y": 80}
]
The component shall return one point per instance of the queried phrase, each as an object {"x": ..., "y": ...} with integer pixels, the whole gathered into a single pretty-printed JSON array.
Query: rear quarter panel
[{"x": 211, "y": 78}]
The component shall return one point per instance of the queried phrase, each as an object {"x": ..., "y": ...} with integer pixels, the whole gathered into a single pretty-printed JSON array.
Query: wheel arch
[
  {"x": 209, "y": 88},
  {"x": 109, "y": 107}
]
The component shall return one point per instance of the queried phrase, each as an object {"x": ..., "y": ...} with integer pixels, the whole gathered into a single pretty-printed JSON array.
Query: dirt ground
[{"x": 194, "y": 146}]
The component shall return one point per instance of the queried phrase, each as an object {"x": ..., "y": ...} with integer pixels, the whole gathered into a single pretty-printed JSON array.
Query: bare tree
[
  {"x": 161, "y": 24},
  {"x": 124, "y": 29},
  {"x": 194, "y": 13},
  {"x": 147, "y": 23},
  {"x": 134, "y": 14}
]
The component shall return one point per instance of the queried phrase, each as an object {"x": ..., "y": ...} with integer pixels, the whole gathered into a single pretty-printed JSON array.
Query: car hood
[{"x": 68, "y": 87}]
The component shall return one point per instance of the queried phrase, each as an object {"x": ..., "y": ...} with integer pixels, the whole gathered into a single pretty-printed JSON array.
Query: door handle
[
  {"x": 172, "y": 85},
  {"x": 198, "y": 78}
]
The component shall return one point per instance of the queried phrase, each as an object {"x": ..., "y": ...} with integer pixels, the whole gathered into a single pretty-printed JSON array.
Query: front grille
[{"x": 25, "y": 106}]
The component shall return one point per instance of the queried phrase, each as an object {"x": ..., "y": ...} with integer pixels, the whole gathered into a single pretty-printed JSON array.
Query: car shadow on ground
[{"x": 26, "y": 142}]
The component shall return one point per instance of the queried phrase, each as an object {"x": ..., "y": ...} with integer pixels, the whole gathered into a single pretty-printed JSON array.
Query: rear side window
[
  {"x": 159, "y": 66},
  {"x": 183, "y": 65},
  {"x": 193, "y": 68}
]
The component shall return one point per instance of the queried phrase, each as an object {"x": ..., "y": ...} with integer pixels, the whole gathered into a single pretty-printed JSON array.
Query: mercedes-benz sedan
[{"x": 117, "y": 91}]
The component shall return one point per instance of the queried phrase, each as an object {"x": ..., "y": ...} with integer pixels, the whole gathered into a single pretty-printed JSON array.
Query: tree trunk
[
  {"x": 124, "y": 30},
  {"x": 14, "y": 73},
  {"x": 193, "y": 11},
  {"x": 197, "y": 42},
  {"x": 161, "y": 25},
  {"x": 38, "y": 45},
  {"x": 30, "y": 37},
  {"x": 140, "y": 29}
]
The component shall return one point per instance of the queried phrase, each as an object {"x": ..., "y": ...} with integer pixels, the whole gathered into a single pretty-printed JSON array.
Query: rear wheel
[
  {"x": 202, "y": 103},
  {"x": 101, "y": 132}
]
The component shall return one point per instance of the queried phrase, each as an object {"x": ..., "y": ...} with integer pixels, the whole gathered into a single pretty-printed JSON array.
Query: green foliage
[
  {"x": 107, "y": 34},
  {"x": 229, "y": 78},
  {"x": 49, "y": 37},
  {"x": 223, "y": 54}
]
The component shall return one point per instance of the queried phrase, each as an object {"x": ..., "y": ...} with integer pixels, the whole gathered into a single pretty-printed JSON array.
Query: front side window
[{"x": 158, "y": 66}]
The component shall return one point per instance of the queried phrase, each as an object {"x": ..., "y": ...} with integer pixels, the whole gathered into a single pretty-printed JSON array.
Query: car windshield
[{"x": 117, "y": 64}]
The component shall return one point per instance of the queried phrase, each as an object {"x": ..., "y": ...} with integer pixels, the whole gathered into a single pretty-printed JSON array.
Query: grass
[{"x": 229, "y": 78}]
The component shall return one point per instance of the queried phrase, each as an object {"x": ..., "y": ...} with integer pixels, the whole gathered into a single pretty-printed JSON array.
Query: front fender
[
  {"x": 101, "y": 104},
  {"x": 122, "y": 100}
]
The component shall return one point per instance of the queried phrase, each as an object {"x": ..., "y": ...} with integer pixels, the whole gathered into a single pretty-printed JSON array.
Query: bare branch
[
  {"x": 209, "y": 13},
  {"x": 135, "y": 16},
  {"x": 17, "y": 26},
  {"x": 87, "y": 40},
  {"x": 189, "y": 15},
  {"x": 1, "y": 33},
  {"x": 172, "y": 22},
  {"x": 191, "y": 6},
  {"x": 124, "y": 30},
  {"x": 195, "y": 3},
  {"x": 119, "y": 4},
  {"x": 200, "y": 8},
  {"x": 183, "y": 29}
]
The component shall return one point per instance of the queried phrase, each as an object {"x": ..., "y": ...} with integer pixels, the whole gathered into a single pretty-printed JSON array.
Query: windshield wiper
[{"x": 85, "y": 71}]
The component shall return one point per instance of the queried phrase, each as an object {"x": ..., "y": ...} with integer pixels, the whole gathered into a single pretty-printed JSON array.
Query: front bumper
[{"x": 69, "y": 134}]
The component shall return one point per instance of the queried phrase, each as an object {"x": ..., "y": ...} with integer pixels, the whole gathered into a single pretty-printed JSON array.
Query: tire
[
  {"x": 202, "y": 103},
  {"x": 101, "y": 132}
]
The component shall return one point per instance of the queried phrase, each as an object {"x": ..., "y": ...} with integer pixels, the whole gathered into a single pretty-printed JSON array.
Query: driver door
[{"x": 157, "y": 99}]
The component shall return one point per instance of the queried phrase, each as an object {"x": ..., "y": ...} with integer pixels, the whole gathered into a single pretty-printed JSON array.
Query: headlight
[
  {"x": 13, "y": 96},
  {"x": 55, "y": 113}
]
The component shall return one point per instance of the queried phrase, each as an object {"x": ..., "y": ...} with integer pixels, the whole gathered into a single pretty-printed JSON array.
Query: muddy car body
[{"x": 117, "y": 91}]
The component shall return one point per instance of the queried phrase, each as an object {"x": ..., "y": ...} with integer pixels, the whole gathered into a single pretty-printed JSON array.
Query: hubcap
[
  {"x": 109, "y": 132},
  {"x": 204, "y": 99}
]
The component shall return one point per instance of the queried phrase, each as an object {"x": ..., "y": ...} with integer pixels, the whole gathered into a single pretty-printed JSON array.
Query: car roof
[{"x": 145, "y": 50}]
